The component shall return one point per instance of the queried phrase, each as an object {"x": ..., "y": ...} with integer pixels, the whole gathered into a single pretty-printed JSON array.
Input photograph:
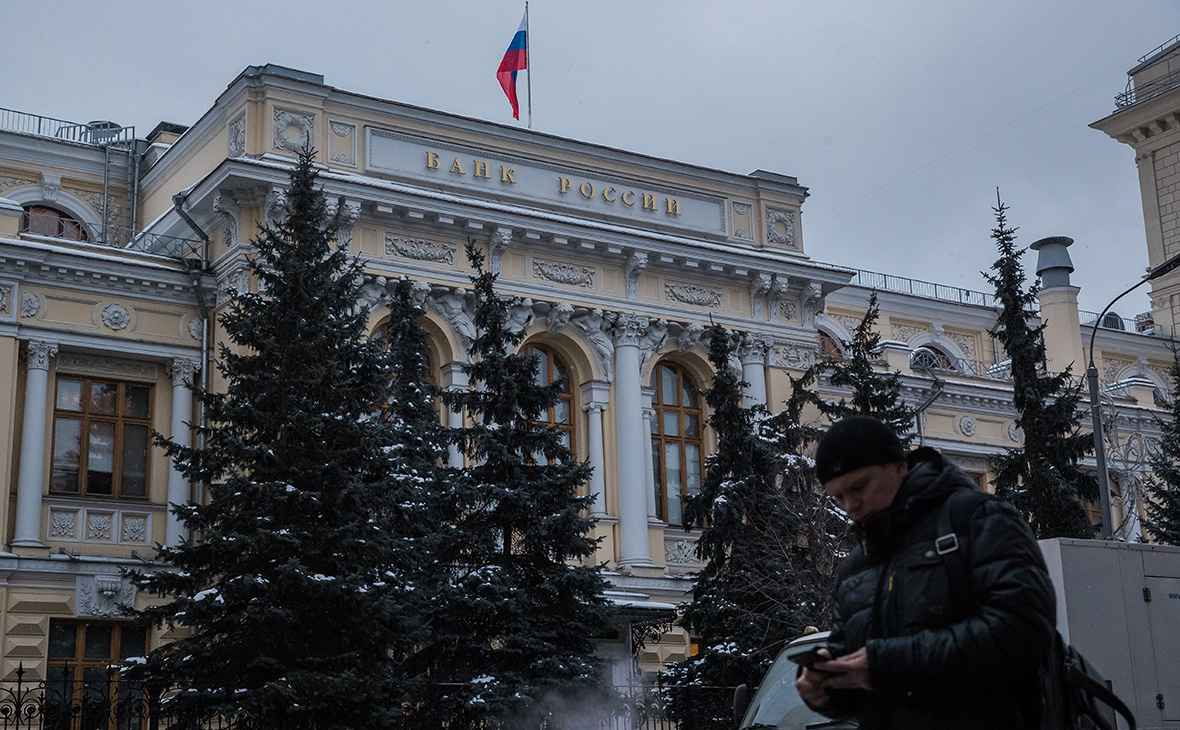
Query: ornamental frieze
[
  {"x": 420, "y": 249},
  {"x": 563, "y": 273},
  {"x": 694, "y": 295}
]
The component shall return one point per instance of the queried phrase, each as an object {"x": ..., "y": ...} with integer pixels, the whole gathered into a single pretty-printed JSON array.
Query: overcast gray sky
[{"x": 902, "y": 118}]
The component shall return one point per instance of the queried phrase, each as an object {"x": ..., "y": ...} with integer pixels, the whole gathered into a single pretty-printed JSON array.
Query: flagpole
[{"x": 528, "y": 41}]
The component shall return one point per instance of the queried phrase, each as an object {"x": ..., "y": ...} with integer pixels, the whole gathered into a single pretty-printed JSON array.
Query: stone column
[
  {"x": 649, "y": 471},
  {"x": 30, "y": 478},
  {"x": 594, "y": 395},
  {"x": 632, "y": 441},
  {"x": 753, "y": 351},
  {"x": 454, "y": 378},
  {"x": 179, "y": 489}
]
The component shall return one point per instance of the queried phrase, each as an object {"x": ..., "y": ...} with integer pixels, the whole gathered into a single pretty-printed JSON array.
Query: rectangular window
[
  {"x": 101, "y": 438},
  {"x": 83, "y": 689}
]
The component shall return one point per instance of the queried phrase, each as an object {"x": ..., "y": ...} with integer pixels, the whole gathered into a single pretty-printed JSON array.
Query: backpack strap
[
  {"x": 952, "y": 541},
  {"x": 1077, "y": 675}
]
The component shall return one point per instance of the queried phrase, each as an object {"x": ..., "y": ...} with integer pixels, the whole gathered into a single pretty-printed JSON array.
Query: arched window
[
  {"x": 928, "y": 357},
  {"x": 552, "y": 369},
  {"x": 41, "y": 220},
  {"x": 677, "y": 453},
  {"x": 828, "y": 347}
]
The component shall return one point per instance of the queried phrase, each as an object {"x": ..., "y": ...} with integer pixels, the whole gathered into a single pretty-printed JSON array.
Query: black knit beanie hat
[{"x": 855, "y": 442}]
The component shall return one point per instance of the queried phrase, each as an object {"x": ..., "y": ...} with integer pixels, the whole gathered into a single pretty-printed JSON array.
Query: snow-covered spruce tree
[
  {"x": 824, "y": 534},
  {"x": 1162, "y": 506},
  {"x": 297, "y": 598},
  {"x": 513, "y": 628},
  {"x": 874, "y": 393},
  {"x": 743, "y": 607},
  {"x": 1042, "y": 479}
]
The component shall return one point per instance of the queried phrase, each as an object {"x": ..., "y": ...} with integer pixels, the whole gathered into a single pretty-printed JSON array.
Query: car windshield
[{"x": 776, "y": 704}]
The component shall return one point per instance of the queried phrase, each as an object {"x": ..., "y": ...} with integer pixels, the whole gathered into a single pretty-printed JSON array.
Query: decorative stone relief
[
  {"x": 342, "y": 144},
  {"x": 758, "y": 288},
  {"x": 420, "y": 249},
  {"x": 115, "y": 316},
  {"x": 78, "y": 363},
  {"x": 850, "y": 323},
  {"x": 741, "y": 224},
  {"x": 774, "y": 297},
  {"x": 30, "y": 304},
  {"x": 235, "y": 145},
  {"x": 812, "y": 302},
  {"x": 780, "y": 227},
  {"x": 98, "y": 526},
  {"x": 232, "y": 283},
  {"x": 1015, "y": 433},
  {"x": 345, "y": 212},
  {"x": 562, "y": 273},
  {"x": 597, "y": 327},
  {"x": 636, "y": 263},
  {"x": 293, "y": 130},
  {"x": 967, "y": 426},
  {"x": 905, "y": 332},
  {"x": 966, "y": 343},
  {"x": 558, "y": 317},
  {"x": 8, "y": 183},
  {"x": 108, "y": 211},
  {"x": 196, "y": 326},
  {"x": 375, "y": 291},
  {"x": 5, "y": 299},
  {"x": 103, "y": 596},
  {"x": 276, "y": 206},
  {"x": 520, "y": 316},
  {"x": 793, "y": 355},
  {"x": 694, "y": 295},
  {"x": 456, "y": 306},
  {"x": 38, "y": 353},
  {"x": 50, "y": 185},
  {"x": 788, "y": 310},
  {"x": 134, "y": 528},
  {"x": 63, "y": 524},
  {"x": 681, "y": 552},
  {"x": 652, "y": 341},
  {"x": 499, "y": 244},
  {"x": 690, "y": 336},
  {"x": 227, "y": 207}
]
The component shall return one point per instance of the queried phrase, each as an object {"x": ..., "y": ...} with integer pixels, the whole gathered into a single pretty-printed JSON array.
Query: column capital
[
  {"x": 182, "y": 371},
  {"x": 38, "y": 352},
  {"x": 453, "y": 377},
  {"x": 754, "y": 348},
  {"x": 630, "y": 329}
]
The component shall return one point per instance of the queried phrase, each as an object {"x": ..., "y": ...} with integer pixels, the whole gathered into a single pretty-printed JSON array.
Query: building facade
[{"x": 118, "y": 252}]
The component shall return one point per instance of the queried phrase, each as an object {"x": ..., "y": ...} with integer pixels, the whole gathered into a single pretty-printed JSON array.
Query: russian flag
[{"x": 516, "y": 58}]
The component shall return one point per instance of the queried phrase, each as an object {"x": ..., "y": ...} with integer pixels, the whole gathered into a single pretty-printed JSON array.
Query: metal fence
[{"x": 103, "y": 699}]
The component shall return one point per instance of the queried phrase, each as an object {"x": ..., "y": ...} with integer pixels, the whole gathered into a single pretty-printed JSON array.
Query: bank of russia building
[{"x": 619, "y": 261}]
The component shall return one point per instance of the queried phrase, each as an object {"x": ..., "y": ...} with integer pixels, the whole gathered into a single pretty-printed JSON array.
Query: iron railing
[
  {"x": 1136, "y": 93},
  {"x": 916, "y": 287},
  {"x": 53, "y": 227},
  {"x": 105, "y": 699},
  {"x": 1111, "y": 321},
  {"x": 93, "y": 133}
]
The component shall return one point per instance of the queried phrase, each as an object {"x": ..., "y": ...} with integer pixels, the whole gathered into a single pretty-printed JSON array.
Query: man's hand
[
  {"x": 847, "y": 672},
  {"x": 811, "y": 683}
]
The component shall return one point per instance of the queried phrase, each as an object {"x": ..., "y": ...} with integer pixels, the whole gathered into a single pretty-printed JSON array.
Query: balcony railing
[{"x": 94, "y": 133}]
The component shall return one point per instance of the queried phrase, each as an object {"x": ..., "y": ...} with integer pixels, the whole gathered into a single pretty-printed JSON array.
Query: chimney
[{"x": 1059, "y": 304}]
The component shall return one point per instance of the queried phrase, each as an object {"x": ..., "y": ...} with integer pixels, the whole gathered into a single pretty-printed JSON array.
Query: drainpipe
[
  {"x": 937, "y": 387},
  {"x": 196, "y": 269}
]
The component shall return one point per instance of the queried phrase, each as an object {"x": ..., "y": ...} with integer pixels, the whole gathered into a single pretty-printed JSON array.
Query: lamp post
[{"x": 1095, "y": 406}]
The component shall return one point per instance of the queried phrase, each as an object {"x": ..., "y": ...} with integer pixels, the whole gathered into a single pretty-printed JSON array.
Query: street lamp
[{"x": 1095, "y": 406}]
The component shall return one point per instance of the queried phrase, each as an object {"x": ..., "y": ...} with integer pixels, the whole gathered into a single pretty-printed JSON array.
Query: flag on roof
[{"x": 516, "y": 58}]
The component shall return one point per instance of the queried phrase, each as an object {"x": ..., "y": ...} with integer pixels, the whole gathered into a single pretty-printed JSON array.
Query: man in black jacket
[{"x": 908, "y": 649}]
